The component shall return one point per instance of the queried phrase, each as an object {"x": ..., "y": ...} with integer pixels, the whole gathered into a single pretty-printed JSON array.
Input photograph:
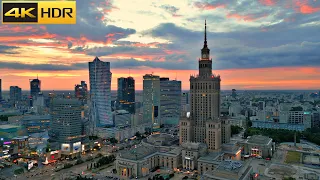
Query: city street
[{"x": 48, "y": 171}]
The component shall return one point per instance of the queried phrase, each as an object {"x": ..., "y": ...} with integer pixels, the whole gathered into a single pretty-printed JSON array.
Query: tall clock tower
[
  {"x": 204, "y": 124},
  {"x": 205, "y": 63}
]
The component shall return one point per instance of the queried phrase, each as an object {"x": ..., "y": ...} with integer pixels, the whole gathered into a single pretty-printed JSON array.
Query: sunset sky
[{"x": 255, "y": 44}]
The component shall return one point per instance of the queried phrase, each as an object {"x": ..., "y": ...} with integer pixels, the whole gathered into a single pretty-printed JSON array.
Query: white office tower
[
  {"x": 151, "y": 99},
  {"x": 170, "y": 101},
  {"x": 66, "y": 125},
  {"x": 100, "y": 91}
]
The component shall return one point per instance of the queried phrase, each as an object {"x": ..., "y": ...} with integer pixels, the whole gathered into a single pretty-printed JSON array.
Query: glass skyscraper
[
  {"x": 100, "y": 92},
  {"x": 66, "y": 125},
  {"x": 151, "y": 99},
  {"x": 35, "y": 87},
  {"x": 170, "y": 101},
  {"x": 15, "y": 95},
  {"x": 126, "y": 94}
]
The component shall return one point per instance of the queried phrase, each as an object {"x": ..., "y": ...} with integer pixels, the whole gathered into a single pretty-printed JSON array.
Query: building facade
[
  {"x": 66, "y": 125},
  {"x": 258, "y": 145},
  {"x": 205, "y": 103},
  {"x": 157, "y": 150},
  {"x": 81, "y": 91},
  {"x": 15, "y": 95},
  {"x": 36, "y": 123},
  {"x": 0, "y": 89},
  {"x": 100, "y": 91},
  {"x": 126, "y": 94},
  {"x": 151, "y": 99},
  {"x": 170, "y": 101}
]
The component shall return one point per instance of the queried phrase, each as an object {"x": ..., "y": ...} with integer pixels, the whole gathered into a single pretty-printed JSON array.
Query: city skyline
[{"x": 252, "y": 48}]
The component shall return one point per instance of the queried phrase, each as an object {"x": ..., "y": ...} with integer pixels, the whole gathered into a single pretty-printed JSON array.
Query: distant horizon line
[{"x": 189, "y": 90}]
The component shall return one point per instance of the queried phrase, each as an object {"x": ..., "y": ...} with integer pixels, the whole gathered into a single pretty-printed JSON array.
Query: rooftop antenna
[
  {"x": 37, "y": 76},
  {"x": 129, "y": 72}
]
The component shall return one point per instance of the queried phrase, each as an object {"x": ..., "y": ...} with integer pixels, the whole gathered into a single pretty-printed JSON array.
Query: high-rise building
[
  {"x": 81, "y": 91},
  {"x": 151, "y": 99},
  {"x": 66, "y": 125},
  {"x": 170, "y": 101},
  {"x": 126, "y": 94},
  {"x": 185, "y": 106},
  {"x": 0, "y": 89},
  {"x": 204, "y": 124},
  {"x": 261, "y": 105},
  {"x": 100, "y": 92},
  {"x": 234, "y": 93},
  {"x": 35, "y": 87},
  {"x": 15, "y": 95}
]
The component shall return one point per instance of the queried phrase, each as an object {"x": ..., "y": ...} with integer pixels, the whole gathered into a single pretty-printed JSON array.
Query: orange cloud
[
  {"x": 245, "y": 79},
  {"x": 268, "y": 2},
  {"x": 208, "y": 6},
  {"x": 303, "y": 7},
  {"x": 244, "y": 17},
  {"x": 306, "y": 9}
]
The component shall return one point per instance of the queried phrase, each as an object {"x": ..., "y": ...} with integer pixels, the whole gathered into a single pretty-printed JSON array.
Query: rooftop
[
  {"x": 194, "y": 145},
  {"x": 259, "y": 139},
  {"x": 162, "y": 140},
  {"x": 211, "y": 157},
  {"x": 137, "y": 153},
  {"x": 230, "y": 165},
  {"x": 26, "y": 118},
  {"x": 8, "y": 126}
]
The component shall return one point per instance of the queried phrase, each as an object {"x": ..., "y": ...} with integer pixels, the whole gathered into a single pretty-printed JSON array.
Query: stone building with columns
[{"x": 158, "y": 150}]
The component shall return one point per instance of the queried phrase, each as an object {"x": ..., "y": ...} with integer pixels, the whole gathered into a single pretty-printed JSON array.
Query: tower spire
[{"x": 205, "y": 33}]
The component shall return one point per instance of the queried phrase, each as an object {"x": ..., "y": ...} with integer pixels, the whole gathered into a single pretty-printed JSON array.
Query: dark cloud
[
  {"x": 251, "y": 48},
  {"x": 170, "y": 9},
  {"x": 44, "y": 67},
  {"x": 8, "y": 49},
  {"x": 91, "y": 26}
]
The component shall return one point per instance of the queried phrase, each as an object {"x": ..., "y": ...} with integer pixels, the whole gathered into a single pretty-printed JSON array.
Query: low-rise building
[
  {"x": 158, "y": 150},
  {"x": 230, "y": 170},
  {"x": 258, "y": 145},
  {"x": 36, "y": 124}
]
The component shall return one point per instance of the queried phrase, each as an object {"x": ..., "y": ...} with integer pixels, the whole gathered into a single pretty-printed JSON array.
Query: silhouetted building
[
  {"x": 126, "y": 94},
  {"x": 35, "y": 87},
  {"x": 81, "y": 91},
  {"x": 15, "y": 95},
  {"x": 234, "y": 93}
]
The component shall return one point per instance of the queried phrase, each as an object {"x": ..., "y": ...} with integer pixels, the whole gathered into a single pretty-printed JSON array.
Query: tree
[
  {"x": 138, "y": 135},
  {"x": 298, "y": 108},
  {"x": 235, "y": 129},
  {"x": 249, "y": 123},
  {"x": 18, "y": 171},
  {"x": 113, "y": 141}
]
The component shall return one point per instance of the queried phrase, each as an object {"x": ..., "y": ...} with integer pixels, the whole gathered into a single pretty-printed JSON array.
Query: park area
[{"x": 293, "y": 157}]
